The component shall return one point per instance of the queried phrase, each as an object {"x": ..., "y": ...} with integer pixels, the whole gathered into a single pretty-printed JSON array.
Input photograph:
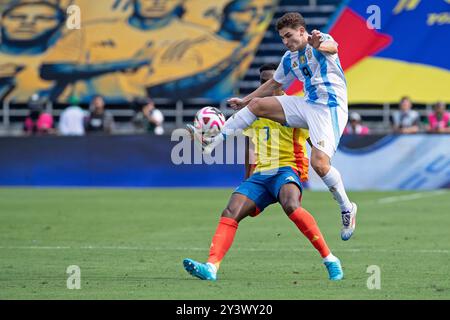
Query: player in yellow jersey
[{"x": 281, "y": 166}]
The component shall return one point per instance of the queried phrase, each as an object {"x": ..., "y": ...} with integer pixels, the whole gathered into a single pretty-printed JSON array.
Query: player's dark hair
[
  {"x": 268, "y": 66},
  {"x": 292, "y": 20}
]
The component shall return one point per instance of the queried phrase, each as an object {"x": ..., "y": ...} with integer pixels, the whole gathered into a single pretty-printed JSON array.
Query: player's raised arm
[
  {"x": 265, "y": 90},
  {"x": 322, "y": 42}
]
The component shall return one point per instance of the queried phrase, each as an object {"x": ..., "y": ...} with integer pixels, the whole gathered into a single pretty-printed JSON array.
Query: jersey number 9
[{"x": 306, "y": 72}]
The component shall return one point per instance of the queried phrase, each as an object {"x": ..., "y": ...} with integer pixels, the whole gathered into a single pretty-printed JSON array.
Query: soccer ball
[{"x": 209, "y": 121}]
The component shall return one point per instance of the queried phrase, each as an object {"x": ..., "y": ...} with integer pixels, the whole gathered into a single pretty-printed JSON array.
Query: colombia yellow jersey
[{"x": 278, "y": 146}]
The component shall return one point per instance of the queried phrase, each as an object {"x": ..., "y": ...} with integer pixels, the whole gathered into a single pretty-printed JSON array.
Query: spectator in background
[
  {"x": 355, "y": 126},
  {"x": 148, "y": 117},
  {"x": 405, "y": 120},
  {"x": 71, "y": 122},
  {"x": 99, "y": 120},
  {"x": 439, "y": 120},
  {"x": 38, "y": 122}
]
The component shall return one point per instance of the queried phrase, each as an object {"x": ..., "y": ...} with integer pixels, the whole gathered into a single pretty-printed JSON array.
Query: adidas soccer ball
[{"x": 209, "y": 121}]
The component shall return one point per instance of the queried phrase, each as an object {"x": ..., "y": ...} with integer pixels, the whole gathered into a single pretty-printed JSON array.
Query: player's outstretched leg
[
  {"x": 238, "y": 208},
  {"x": 333, "y": 180},
  {"x": 268, "y": 107},
  {"x": 289, "y": 197},
  {"x": 306, "y": 223}
]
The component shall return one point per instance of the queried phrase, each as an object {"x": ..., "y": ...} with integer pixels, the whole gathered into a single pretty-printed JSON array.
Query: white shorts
[{"x": 325, "y": 124}]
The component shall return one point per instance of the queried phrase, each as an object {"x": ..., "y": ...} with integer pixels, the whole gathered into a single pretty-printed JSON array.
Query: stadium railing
[{"x": 178, "y": 113}]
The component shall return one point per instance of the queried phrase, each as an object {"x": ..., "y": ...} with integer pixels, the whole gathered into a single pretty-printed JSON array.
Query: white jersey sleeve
[
  {"x": 326, "y": 37},
  {"x": 283, "y": 73}
]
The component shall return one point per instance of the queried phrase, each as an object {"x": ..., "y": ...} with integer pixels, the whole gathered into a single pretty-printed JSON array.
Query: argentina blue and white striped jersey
[{"x": 321, "y": 73}]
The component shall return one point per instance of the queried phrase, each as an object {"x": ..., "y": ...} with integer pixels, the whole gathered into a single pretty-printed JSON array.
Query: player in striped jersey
[
  {"x": 312, "y": 59},
  {"x": 281, "y": 167}
]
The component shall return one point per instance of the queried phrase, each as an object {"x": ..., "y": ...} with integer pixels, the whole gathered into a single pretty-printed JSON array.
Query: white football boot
[{"x": 348, "y": 222}]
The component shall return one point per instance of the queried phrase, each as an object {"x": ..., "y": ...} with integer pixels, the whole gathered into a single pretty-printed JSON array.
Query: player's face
[
  {"x": 29, "y": 22},
  {"x": 246, "y": 15},
  {"x": 293, "y": 39},
  {"x": 156, "y": 8},
  {"x": 266, "y": 75}
]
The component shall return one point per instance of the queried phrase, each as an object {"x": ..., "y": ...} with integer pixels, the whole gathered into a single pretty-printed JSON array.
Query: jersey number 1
[{"x": 267, "y": 133}]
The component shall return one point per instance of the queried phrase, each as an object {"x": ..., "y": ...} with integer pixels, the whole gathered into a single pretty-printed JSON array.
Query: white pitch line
[
  {"x": 408, "y": 197},
  {"x": 444, "y": 251}
]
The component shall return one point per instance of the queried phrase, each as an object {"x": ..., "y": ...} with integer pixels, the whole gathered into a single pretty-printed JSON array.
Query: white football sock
[
  {"x": 212, "y": 266},
  {"x": 333, "y": 181},
  {"x": 330, "y": 258},
  {"x": 240, "y": 120}
]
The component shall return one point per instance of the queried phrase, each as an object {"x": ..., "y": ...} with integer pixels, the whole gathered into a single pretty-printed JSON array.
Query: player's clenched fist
[
  {"x": 315, "y": 39},
  {"x": 236, "y": 103}
]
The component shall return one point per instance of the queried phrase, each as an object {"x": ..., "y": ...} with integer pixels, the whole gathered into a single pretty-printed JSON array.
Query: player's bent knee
[
  {"x": 290, "y": 205},
  {"x": 320, "y": 165},
  {"x": 227, "y": 213},
  {"x": 255, "y": 107},
  {"x": 320, "y": 170},
  {"x": 320, "y": 162},
  {"x": 260, "y": 107},
  {"x": 232, "y": 214}
]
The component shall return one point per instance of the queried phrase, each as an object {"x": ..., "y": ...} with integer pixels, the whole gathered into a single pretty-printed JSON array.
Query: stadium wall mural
[{"x": 128, "y": 48}]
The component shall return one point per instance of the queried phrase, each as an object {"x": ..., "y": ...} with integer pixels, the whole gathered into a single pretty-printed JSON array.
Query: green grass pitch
[{"x": 129, "y": 244}]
